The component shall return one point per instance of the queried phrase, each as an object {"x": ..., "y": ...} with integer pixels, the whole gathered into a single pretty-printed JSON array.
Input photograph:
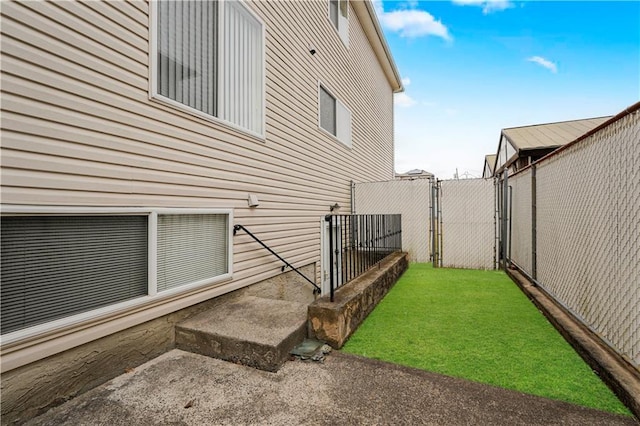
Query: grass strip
[{"x": 478, "y": 325}]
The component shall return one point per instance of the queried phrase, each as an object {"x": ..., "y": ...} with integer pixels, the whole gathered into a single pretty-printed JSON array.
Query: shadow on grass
[{"x": 479, "y": 326}]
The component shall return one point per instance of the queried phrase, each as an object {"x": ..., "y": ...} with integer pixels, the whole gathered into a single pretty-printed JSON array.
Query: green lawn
[{"x": 477, "y": 325}]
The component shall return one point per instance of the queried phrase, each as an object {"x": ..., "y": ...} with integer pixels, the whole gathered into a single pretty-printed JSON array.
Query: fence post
[
  {"x": 439, "y": 194},
  {"x": 496, "y": 223},
  {"x": 505, "y": 209},
  {"x": 510, "y": 219},
  {"x": 534, "y": 224},
  {"x": 432, "y": 231}
]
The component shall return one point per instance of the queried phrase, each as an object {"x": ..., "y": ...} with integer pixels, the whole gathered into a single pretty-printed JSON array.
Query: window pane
[
  {"x": 191, "y": 248},
  {"x": 242, "y": 97},
  {"x": 344, "y": 5},
  {"x": 333, "y": 12},
  {"x": 327, "y": 111},
  {"x": 187, "y": 53},
  {"x": 343, "y": 124},
  {"x": 57, "y": 266}
]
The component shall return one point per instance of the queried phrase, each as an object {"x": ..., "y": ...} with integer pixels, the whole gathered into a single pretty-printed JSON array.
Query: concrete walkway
[{"x": 182, "y": 388}]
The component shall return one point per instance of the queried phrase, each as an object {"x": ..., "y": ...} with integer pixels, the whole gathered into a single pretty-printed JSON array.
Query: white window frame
[
  {"x": 343, "y": 23},
  {"x": 153, "y": 71},
  {"x": 153, "y": 296},
  {"x": 342, "y": 121}
]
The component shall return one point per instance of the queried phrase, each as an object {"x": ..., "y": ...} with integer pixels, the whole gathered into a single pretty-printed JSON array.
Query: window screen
[
  {"x": 191, "y": 248},
  {"x": 57, "y": 266},
  {"x": 327, "y": 111},
  {"x": 219, "y": 74},
  {"x": 333, "y": 12},
  {"x": 188, "y": 53}
]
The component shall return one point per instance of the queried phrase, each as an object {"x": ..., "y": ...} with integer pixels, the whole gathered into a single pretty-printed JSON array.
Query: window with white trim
[
  {"x": 58, "y": 266},
  {"x": 191, "y": 248},
  {"x": 339, "y": 17},
  {"x": 208, "y": 58},
  {"x": 334, "y": 117}
]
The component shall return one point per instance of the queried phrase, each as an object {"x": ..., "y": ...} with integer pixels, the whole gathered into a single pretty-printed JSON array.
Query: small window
[
  {"x": 339, "y": 17},
  {"x": 335, "y": 118},
  {"x": 191, "y": 248},
  {"x": 212, "y": 73},
  {"x": 54, "y": 267},
  {"x": 333, "y": 12},
  {"x": 57, "y": 266},
  {"x": 327, "y": 111}
]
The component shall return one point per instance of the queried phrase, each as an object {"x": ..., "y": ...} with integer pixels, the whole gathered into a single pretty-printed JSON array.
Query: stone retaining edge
[
  {"x": 334, "y": 322},
  {"x": 619, "y": 375}
]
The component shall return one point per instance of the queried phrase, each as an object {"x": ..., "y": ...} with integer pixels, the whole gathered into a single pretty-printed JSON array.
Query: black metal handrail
[
  {"x": 358, "y": 242},
  {"x": 236, "y": 228}
]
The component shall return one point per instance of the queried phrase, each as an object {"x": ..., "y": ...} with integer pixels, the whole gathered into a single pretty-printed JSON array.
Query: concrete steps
[{"x": 249, "y": 330}]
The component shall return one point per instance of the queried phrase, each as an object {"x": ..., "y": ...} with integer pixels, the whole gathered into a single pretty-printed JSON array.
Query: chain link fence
[
  {"x": 579, "y": 234},
  {"x": 468, "y": 223},
  {"x": 572, "y": 223},
  {"x": 521, "y": 220},
  {"x": 464, "y": 220},
  {"x": 411, "y": 199}
]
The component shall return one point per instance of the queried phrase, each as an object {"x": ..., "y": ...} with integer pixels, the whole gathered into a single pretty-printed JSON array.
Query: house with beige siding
[{"x": 136, "y": 134}]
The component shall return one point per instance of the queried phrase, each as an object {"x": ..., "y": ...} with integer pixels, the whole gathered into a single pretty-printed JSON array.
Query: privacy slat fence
[
  {"x": 411, "y": 199},
  {"x": 575, "y": 228},
  {"x": 464, "y": 226},
  {"x": 571, "y": 222},
  {"x": 468, "y": 223}
]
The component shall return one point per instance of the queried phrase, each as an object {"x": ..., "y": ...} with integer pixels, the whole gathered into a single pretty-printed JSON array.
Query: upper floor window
[
  {"x": 334, "y": 117},
  {"x": 208, "y": 58},
  {"x": 339, "y": 16}
]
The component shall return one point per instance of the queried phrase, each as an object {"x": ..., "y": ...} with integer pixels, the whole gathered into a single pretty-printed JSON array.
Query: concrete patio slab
[{"x": 182, "y": 388}]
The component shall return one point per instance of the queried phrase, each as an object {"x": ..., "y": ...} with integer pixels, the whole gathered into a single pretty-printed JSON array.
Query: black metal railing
[
  {"x": 236, "y": 228},
  {"x": 358, "y": 242}
]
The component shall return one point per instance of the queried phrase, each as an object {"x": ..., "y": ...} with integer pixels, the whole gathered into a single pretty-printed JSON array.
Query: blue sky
[{"x": 473, "y": 67}]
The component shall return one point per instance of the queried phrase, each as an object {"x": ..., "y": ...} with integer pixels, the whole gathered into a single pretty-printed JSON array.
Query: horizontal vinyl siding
[{"x": 78, "y": 127}]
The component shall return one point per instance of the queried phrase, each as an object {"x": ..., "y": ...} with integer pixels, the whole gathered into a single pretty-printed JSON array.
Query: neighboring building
[
  {"x": 133, "y": 134},
  {"x": 489, "y": 163},
  {"x": 520, "y": 146},
  {"x": 414, "y": 174}
]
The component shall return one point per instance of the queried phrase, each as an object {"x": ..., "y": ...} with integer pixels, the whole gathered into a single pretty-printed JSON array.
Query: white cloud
[
  {"x": 544, "y": 62},
  {"x": 488, "y": 6},
  {"x": 411, "y": 22},
  {"x": 403, "y": 100},
  {"x": 406, "y": 81}
]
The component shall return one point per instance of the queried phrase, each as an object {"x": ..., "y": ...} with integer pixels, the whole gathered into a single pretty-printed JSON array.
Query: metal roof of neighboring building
[
  {"x": 415, "y": 173},
  {"x": 550, "y": 134},
  {"x": 491, "y": 160}
]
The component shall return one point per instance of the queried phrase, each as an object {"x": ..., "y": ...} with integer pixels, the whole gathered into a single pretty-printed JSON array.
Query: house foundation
[{"x": 32, "y": 389}]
